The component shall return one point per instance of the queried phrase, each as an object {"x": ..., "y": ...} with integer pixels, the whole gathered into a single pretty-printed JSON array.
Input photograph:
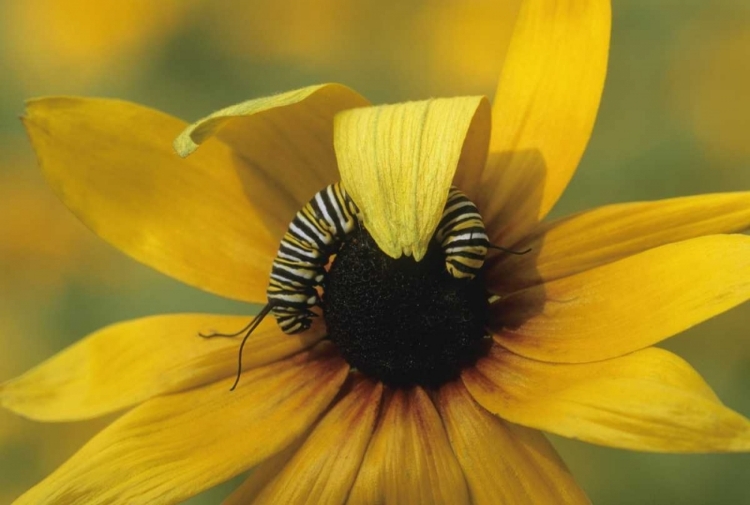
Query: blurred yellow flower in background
[
  {"x": 708, "y": 83},
  {"x": 75, "y": 42}
]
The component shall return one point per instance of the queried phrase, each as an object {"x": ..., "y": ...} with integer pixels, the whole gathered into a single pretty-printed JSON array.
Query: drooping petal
[
  {"x": 568, "y": 246},
  {"x": 206, "y": 220},
  {"x": 172, "y": 447},
  {"x": 126, "y": 363},
  {"x": 286, "y": 138},
  {"x": 409, "y": 459},
  {"x": 398, "y": 161},
  {"x": 629, "y": 304},
  {"x": 503, "y": 463},
  {"x": 650, "y": 400},
  {"x": 324, "y": 468},
  {"x": 543, "y": 112}
]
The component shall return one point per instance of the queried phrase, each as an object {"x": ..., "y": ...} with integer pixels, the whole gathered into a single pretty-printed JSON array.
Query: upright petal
[
  {"x": 197, "y": 220},
  {"x": 650, "y": 400},
  {"x": 324, "y": 468},
  {"x": 126, "y": 363},
  {"x": 626, "y": 305},
  {"x": 287, "y": 139},
  {"x": 398, "y": 161},
  {"x": 409, "y": 435},
  {"x": 173, "y": 447},
  {"x": 544, "y": 110},
  {"x": 503, "y": 463},
  {"x": 567, "y": 246}
]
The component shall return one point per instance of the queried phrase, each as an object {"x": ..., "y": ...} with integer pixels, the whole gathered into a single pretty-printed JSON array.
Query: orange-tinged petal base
[
  {"x": 409, "y": 459},
  {"x": 503, "y": 463},
  {"x": 173, "y": 447},
  {"x": 324, "y": 468}
]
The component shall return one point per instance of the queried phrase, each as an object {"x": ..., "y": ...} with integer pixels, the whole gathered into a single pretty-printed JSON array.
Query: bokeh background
[{"x": 674, "y": 120}]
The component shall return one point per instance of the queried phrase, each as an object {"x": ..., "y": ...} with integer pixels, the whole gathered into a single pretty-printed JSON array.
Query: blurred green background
[{"x": 674, "y": 121}]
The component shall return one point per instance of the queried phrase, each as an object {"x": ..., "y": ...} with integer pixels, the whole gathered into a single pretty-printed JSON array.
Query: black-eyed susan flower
[{"x": 566, "y": 329}]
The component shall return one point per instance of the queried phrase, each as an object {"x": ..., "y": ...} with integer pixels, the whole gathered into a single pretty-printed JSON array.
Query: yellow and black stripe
[
  {"x": 462, "y": 236},
  {"x": 313, "y": 235},
  {"x": 317, "y": 231}
]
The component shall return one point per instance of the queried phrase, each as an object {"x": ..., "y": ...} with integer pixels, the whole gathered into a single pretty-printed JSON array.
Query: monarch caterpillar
[
  {"x": 313, "y": 235},
  {"x": 319, "y": 229}
]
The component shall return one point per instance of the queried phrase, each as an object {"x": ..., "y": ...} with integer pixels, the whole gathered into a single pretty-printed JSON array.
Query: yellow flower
[{"x": 572, "y": 322}]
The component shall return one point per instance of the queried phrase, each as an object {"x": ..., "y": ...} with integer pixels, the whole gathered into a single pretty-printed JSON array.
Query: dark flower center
[{"x": 400, "y": 321}]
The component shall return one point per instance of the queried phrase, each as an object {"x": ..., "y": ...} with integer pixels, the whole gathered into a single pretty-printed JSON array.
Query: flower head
[{"x": 568, "y": 327}]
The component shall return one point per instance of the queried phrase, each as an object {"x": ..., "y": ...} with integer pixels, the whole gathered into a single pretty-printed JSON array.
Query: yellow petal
[
  {"x": 503, "y": 463},
  {"x": 287, "y": 138},
  {"x": 627, "y": 305},
  {"x": 599, "y": 236},
  {"x": 204, "y": 221},
  {"x": 173, "y": 447},
  {"x": 650, "y": 400},
  {"x": 409, "y": 459},
  {"x": 543, "y": 112},
  {"x": 323, "y": 470},
  {"x": 126, "y": 363},
  {"x": 262, "y": 474},
  {"x": 397, "y": 163}
]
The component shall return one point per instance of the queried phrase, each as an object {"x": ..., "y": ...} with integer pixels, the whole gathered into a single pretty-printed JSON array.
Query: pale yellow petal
[
  {"x": 325, "y": 467},
  {"x": 173, "y": 447},
  {"x": 206, "y": 220},
  {"x": 286, "y": 138},
  {"x": 629, "y": 304},
  {"x": 603, "y": 235},
  {"x": 397, "y": 163},
  {"x": 543, "y": 112},
  {"x": 650, "y": 400},
  {"x": 409, "y": 459},
  {"x": 126, "y": 363},
  {"x": 503, "y": 463}
]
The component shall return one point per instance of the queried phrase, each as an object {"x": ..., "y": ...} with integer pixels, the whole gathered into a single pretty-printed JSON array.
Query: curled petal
[
  {"x": 650, "y": 400},
  {"x": 398, "y": 161},
  {"x": 173, "y": 447},
  {"x": 285, "y": 139},
  {"x": 629, "y": 304},
  {"x": 126, "y": 363}
]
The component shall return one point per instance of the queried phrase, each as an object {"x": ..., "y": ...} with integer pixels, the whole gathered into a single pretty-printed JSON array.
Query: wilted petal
[
  {"x": 397, "y": 162},
  {"x": 286, "y": 139}
]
